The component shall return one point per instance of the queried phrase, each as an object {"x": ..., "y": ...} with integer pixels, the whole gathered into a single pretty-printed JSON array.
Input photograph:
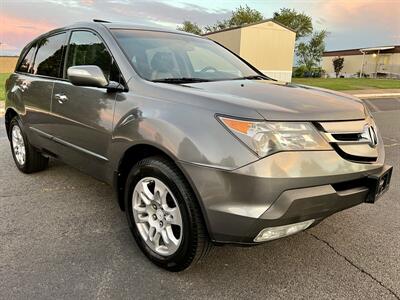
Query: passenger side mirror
[{"x": 87, "y": 76}]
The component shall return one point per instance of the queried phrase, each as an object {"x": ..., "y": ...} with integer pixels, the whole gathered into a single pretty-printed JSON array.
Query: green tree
[
  {"x": 190, "y": 27},
  {"x": 299, "y": 22},
  {"x": 241, "y": 16},
  {"x": 310, "y": 53},
  {"x": 245, "y": 15},
  {"x": 338, "y": 65},
  {"x": 220, "y": 25}
]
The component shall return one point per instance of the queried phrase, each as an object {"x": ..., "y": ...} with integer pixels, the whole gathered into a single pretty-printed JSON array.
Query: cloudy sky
[{"x": 351, "y": 23}]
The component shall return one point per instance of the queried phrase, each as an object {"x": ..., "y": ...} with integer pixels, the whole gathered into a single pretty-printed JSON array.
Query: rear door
[
  {"x": 85, "y": 114},
  {"x": 37, "y": 73}
]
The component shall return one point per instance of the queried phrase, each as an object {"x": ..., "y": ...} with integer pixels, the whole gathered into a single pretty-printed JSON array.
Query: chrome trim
[
  {"x": 366, "y": 129},
  {"x": 344, "y": 126},
  {"x": 43, "y": 134},
  {"x": 362, "y": 137}
]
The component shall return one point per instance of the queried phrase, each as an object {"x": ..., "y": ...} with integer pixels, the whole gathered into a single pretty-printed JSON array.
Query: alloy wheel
[
  {"x": 157, "y": 216},
  {"x": 18, "y": 145}
]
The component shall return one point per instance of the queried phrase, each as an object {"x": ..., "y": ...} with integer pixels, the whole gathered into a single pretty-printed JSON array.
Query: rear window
[
  {"x": 26, "y": 65},
  {"x": 49, "y": 56}
]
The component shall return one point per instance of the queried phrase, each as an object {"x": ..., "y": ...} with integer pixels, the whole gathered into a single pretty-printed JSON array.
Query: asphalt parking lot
[{"x": 63, "y": 236}]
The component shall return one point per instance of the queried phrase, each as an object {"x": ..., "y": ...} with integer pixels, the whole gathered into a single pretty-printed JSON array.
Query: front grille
[
  {"x": 352, "y": 140},
  {"x": 347, "y": 136},
  {"x": 352, "y": 157}
]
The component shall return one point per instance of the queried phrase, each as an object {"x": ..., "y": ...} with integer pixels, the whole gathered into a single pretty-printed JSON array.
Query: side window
[
  {"x": 26, "y": 65},
  {"x": 85, "y": 48},
  {"x": 49, "y": 56}
]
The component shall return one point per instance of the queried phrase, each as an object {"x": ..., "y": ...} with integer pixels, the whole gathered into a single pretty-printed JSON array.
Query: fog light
[{"x": 273, "y": 233}]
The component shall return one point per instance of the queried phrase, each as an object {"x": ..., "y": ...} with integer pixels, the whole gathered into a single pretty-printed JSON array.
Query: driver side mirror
[{"x": 91, "y": 76}]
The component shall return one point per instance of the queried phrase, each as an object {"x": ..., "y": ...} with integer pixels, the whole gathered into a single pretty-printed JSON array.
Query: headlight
[{"x": 266, "y": 138}]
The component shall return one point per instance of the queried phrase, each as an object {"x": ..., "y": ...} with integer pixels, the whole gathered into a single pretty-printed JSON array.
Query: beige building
[
  {"x": 373, "y": 62},
  {"x": 7, "y": 63},
  {"x": 267, "y": 45}
]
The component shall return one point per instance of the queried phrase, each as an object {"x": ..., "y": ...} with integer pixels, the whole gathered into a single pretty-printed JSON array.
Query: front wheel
[
  {"x": 26, "y": 157},
  {"x": 163, "y": 215}
]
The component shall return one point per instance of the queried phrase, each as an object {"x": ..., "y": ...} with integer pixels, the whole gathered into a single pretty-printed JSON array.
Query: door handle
[{"x": 61, "y": 98}]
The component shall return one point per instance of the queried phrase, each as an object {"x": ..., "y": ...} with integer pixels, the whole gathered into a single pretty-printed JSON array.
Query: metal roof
[
  {"x": 359, "y": 51},
  {"x": 377, "y": 48}
]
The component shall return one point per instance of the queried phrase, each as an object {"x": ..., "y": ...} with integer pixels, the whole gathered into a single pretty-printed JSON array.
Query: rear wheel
[
  {"x": 26, "y": 157},
  {"x": 163, "y": 215}
]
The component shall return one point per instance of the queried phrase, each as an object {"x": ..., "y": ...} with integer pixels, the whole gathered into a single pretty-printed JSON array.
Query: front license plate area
[{"x": 379, "y": 184}]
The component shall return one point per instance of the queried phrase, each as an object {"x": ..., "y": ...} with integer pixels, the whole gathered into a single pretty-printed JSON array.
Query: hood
[{"x": 280, "y": 101}]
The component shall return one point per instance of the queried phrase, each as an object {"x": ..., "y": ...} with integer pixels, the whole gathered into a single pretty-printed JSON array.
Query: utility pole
[
  {"x": 376, "y": 64},
  {"x": 362, "y": 65}
]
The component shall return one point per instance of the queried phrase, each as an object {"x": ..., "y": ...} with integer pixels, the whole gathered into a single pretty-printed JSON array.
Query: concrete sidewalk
[
  {"x": 2, "y": 108},
  {"x": 374, "y": 93}
]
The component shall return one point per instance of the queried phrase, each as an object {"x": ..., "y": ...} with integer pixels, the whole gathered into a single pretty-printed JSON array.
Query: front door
[{"x": 84, "y": 114}]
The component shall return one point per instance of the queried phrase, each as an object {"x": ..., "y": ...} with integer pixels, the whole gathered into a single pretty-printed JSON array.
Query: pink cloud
[
  {"x": 7, "y": 47},
  {"x": 87, "y": 2},
  {"x": 360, "y": 13},
  {"x": 17, "y": 32}
]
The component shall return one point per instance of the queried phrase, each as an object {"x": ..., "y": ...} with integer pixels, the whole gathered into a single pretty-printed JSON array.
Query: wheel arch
[
  {"x": 9, "y": 115},
  {"x": 138, "y": 152}
]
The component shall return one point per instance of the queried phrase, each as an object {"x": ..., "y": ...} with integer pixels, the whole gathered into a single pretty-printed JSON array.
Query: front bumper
[{"x": 285, "y": 188}]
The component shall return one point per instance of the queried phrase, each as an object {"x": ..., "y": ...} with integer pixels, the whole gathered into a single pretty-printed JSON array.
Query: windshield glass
[{"x": 162, "y": 56}]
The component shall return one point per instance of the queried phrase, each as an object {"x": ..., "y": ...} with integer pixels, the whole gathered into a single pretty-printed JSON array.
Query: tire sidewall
[{"x": 167, "y": 176}]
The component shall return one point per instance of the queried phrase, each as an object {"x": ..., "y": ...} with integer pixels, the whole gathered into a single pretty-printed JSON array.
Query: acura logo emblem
[{"x": 369, "y": 135}]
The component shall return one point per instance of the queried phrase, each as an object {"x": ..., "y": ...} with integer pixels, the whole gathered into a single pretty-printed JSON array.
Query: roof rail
[{"x": 100, "y": 21}]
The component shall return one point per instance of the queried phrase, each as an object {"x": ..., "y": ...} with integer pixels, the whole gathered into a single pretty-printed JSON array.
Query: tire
[
  {"x": 194, "y": 243},
  {"x": 33, "y": 160}
]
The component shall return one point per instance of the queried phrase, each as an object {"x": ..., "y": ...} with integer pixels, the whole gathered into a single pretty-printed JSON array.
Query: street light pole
[
  {"x": 362, "y": 64},
  {"x": 376, "y": 64}
]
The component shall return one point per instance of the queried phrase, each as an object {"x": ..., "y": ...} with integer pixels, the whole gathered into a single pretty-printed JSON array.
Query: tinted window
[
  {"x": 87, "y": 49},
  {"x": 26, "y": 64},
  {"x": 49, "y": 56},
  {"x": 201, "y": 58},
  {"x": 162, "y": 55}
]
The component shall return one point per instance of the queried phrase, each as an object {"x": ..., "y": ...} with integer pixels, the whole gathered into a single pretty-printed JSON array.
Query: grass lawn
[
  {"x": 3, "y": 77},
  {"x": 341, "y": 84}
]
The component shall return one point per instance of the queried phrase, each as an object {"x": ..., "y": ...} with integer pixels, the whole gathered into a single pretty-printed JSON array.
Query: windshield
[{"x": 170, "y": 57}]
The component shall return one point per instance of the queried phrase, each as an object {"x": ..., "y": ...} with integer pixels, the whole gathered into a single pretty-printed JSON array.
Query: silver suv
[{"x": 200, "y": 147}]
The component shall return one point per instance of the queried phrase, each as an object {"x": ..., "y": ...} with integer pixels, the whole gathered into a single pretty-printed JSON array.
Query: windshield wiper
[
  {"x": 180, "y": 80},
  {"x": 255, "y": 77}
]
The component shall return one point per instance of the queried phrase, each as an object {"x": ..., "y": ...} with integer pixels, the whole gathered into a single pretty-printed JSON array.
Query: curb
[{"x": 367, "y": 96}]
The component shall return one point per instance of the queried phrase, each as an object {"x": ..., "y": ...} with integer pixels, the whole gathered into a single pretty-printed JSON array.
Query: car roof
[
  {"x": 120, "y": 25},
  {"x": 101, "y": 24}
]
